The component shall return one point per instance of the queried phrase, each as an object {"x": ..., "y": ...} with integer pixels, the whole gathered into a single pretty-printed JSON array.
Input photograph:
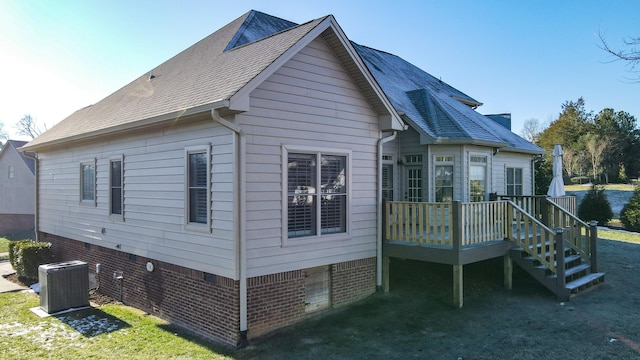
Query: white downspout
[
  {"x": 240, "y": 187},
  {"x": 381, "y": 142},
  {"x": 36, "y": 197}
]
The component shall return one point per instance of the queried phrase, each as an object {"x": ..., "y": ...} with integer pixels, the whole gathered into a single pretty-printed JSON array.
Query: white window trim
[
  {"x": 93, "y": 202},
  {"x": 436, "y": 163},
  {"x": 286, "y": 149},
  {"x": 487, "y": 169},
  {"x": 391, "y": 161},
  {"x": 506, "y": 179},
  {"x": 12, "y": 172},
  {"x": 112, "y": 216},
  {"x": 190, "y": 226}
]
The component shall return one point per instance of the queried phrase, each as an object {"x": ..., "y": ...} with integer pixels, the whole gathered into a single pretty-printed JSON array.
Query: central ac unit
[{"x": 63, "y": 285}]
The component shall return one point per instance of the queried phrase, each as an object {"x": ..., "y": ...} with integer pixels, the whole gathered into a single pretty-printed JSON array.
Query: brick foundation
[
  {"x": 182, "y": 296},
  {"x": 208, "y": 305},
  {"x": 352, "y": 281}
]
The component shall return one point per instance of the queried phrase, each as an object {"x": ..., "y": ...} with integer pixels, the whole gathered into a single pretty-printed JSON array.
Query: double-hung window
[
  {"x": 198, "y": 203},
  {"x": 477, "y": 178},
  {"x": 444, "y": 178},
  {"x": 115, "y": 187},
  {"x": 514, "y": 181},
  {"x": 88, "y": 182},
  {"x": 317, "y": 193},
  {"x": 12, "y": 172}
]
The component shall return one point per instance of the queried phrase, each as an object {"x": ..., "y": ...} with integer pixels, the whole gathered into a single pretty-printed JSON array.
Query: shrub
[
  {"x": 595, "y": 206},
  {"x": 29, "y": 255},
  {"x": 630, "y": 214},
  {"x": 12, "y": 250}
]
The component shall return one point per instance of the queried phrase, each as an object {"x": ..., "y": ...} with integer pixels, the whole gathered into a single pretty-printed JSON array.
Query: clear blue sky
[{"x": 526, "y": 58}]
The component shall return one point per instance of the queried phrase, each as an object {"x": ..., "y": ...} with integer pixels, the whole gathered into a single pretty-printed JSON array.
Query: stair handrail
[
  {"x": 583, "y": 245},
  {"x": 522, "y": 223}
]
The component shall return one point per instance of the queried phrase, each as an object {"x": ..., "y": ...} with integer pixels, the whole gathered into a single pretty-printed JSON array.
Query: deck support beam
[
  {"x": 508, "y": 272},
  {"x": 458, "y": 286}
]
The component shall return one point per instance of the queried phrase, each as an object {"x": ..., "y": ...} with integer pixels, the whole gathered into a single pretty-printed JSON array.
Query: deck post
[
  {"x": 385, "y": 274},
  {"x": 508, "y": 272},
  {"x": 458, "y": 286},
  {"x": 544, "y": 211},
  {"x": 456, "y": 225},
  {"x": 559, "y": 242},
  {"x": 593, "y": 245}
]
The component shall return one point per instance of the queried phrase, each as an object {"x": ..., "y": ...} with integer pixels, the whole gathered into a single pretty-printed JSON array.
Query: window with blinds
[
  {"x": 88, "y": 182},
  {"x": 197, "y": 196},
  {"x": 387, "y": 182},
  {"x": 316, "y": 194},
  {"x": 115, "y": 187},
  {"x": 198, "y": 188}
]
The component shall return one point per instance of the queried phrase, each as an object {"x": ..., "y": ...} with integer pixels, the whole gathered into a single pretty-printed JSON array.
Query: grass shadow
[
  {"x": 191, "y": 337},
  {"x": 92, "y": 322}
]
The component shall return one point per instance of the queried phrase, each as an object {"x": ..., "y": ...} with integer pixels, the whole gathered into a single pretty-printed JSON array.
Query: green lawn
[
  {"x": 621, "y": 187},
  {"x": 4, "y": 245},
  {"x": 108, "y": 332},
  {"x": 619, "y": 236}
]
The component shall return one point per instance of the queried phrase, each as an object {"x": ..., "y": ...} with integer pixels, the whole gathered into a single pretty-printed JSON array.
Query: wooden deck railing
[
  {"x": 578, "y": 235},
  {"x": 421, "y": 223},
  {"x": 482, "y": 222},
  {"x": 449, "y": 224},
  {"x": 534, "y": 204},
  {"x": 531, "y": 235}
]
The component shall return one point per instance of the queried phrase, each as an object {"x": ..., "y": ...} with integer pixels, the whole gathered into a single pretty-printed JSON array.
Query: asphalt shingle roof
[
  {"x": 200, "y": 75},
  {"x": 219, "y": 65},
  {"x": 435, "y": 108}
]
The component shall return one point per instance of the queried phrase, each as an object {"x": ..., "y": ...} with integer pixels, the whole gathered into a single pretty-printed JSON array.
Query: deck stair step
[
  {"x": 577, "y": 274},
  {"x": 585, "y": 282},
  {"x": 576, "y": 269}
]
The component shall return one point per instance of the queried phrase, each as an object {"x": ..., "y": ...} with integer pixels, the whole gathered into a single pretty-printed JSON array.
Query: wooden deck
[{"x": 463, "y": 233}]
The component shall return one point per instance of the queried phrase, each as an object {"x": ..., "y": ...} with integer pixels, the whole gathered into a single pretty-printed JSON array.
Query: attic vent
[{"x": 151, "y": 76}]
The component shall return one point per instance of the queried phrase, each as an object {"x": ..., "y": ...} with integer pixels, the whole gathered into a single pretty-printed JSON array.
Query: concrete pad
[{"x": 6, "y": 285}]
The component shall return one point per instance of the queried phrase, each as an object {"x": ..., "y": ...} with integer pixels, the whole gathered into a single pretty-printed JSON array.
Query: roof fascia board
[{"x": 129, "y": 126}]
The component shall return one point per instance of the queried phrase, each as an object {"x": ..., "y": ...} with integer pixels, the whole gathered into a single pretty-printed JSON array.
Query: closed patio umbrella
[{"x": 556, "y": 189}]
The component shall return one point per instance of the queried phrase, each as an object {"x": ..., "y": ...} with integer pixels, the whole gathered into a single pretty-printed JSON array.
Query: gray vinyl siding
[
  {"x": 502, "y": 161},
  {"x": 17, "y": 194},
  {"x": 310, "y": 101},
  {"x": 154, "y": 197}
]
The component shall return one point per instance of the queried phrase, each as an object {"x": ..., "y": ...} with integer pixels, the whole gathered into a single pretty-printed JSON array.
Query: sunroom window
[{"x": 514, "y": 181}]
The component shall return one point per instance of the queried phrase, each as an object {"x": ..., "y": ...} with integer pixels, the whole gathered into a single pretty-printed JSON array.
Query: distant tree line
[{"x": 602, "y": 146}]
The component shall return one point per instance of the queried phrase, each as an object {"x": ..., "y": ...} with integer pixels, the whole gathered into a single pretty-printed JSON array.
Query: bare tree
[
  {"x": 595, "y": 146},
  {"x": 28, "y": 126},
  {"x": 631, "y": 55},
  {"x": 3, "y": 134},
  {"x": 570, "y": 161},
  {"x": 531, "y": 130}
]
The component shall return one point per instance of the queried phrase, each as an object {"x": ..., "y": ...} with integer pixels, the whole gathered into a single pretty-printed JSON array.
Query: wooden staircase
[
  {"x": 578, "y": 274},
  {"x": 555, "y": 247}
]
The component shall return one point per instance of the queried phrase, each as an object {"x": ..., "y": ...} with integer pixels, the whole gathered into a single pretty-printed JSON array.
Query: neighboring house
[
  {"x": 17, "y": 189},
  {"x": 238, "y": 186}
]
